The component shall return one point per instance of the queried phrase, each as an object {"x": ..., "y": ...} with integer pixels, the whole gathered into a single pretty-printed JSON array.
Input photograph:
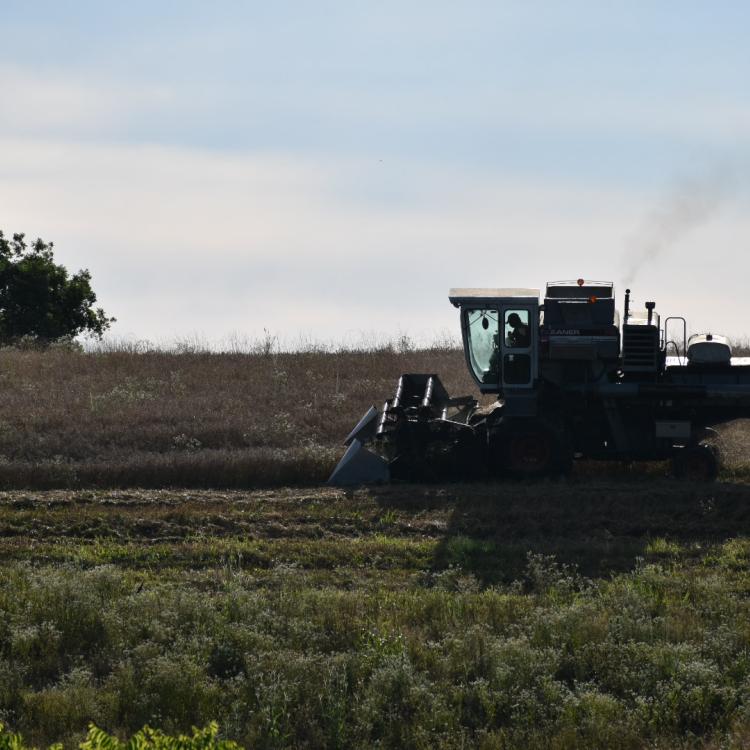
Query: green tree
[{"x": 39, "y": 298}]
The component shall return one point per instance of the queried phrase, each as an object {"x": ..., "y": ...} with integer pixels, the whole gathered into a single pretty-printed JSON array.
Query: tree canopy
[{"x": 40, "y": 299}]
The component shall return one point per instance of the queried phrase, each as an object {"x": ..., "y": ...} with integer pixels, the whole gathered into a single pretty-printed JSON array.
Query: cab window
[
  {"x": 517, "y": 369},
  {"x": 484, "y": 343},
  {"x": 516, "y": 329}
]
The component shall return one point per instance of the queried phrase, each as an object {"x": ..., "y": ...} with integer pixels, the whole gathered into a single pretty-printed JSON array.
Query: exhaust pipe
[{"x": 627, "y": 306}]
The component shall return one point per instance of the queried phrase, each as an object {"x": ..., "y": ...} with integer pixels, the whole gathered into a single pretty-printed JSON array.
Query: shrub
[{"x": 145, "y": 739}]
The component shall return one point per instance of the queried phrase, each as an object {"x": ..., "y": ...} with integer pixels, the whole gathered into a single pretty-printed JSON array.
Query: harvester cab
[
  {"x": 500, "y": 329},
  {"x": 512, "y": 343},
  {"x": 572, "y": 382}
]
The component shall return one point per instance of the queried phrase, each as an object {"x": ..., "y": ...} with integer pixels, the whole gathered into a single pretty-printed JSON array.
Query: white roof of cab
[{"x": 489, "y": 296}]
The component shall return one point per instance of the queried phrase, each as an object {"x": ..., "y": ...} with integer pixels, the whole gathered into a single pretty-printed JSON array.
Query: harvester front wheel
[
  {"x": 534, "y": 450},
  {"x": 696, "y": 463}
]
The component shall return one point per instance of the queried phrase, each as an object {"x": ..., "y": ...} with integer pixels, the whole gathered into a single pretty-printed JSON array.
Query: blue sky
[{"x": 328, "y": 170}]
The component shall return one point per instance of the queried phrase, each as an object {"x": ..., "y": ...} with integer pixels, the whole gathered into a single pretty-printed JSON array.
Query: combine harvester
[{"x": 571, "y": 383}]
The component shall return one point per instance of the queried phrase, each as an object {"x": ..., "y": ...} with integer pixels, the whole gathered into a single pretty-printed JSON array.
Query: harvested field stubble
[{"x": 546, "y": 615}]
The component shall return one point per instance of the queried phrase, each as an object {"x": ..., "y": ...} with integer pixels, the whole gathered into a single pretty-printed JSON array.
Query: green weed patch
[
  {"x": 528, "y": 615},
  {"x": 145, "y": 739}
]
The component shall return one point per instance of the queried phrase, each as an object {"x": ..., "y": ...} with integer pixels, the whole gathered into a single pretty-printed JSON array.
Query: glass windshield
[{"x": 484, "y": 341}]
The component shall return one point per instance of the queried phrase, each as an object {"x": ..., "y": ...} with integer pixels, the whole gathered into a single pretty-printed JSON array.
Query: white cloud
[
  {"x": 45, "y": 102},
  {"x": 183, "y": 241},
  {"x": 69, "y": 103}
]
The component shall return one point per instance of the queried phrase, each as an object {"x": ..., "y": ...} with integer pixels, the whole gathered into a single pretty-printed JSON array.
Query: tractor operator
[{"x": 518, "y": 335}]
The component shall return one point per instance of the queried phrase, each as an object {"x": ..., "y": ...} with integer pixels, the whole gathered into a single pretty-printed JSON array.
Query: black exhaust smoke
[{"x": 690, "y": 203}]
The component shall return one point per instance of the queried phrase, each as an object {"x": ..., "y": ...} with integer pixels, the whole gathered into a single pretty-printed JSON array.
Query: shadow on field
[{"x": 600, "y": 527}]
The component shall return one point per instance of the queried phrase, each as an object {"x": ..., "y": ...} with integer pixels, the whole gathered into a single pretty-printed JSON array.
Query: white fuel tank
[{"x": 707, "y": 349}]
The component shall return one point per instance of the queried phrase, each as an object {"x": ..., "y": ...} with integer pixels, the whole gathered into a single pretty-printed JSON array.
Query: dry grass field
[
  {"x": 160, "y": 419},
  {"x": 199, "y": 419}
]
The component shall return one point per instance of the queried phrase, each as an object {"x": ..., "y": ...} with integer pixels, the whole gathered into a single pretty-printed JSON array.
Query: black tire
[
  {"x": 696, "y": 463},
  {"x": 528, "y": 449}
]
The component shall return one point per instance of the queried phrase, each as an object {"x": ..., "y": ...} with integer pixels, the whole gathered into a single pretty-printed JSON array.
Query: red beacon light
[{"x": 580, "y": 282}]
